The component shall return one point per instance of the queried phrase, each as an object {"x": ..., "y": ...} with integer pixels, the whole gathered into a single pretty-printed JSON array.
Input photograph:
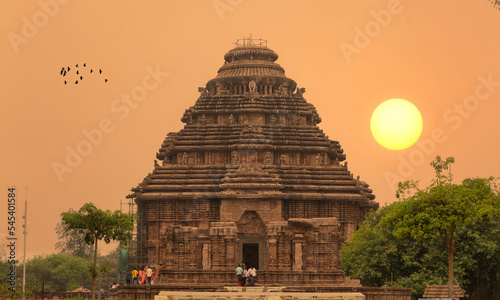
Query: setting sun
[{"x": 396, "y": 124}]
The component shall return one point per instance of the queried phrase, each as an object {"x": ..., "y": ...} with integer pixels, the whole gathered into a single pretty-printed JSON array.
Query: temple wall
[
  {"x": 223, "y": 246},
  {"x": 310, "y": 209},
  {"x": 181, "y": 249},
  {"x": 250, "y": 176},
  {"x": 234, "y": 209}
]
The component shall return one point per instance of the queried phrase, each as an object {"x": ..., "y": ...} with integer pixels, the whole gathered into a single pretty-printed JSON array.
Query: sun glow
[{"x": 396, "y": 124}]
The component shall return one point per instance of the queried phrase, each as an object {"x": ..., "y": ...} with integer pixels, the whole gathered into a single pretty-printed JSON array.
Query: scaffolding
[{"x": 137, "y": 255}]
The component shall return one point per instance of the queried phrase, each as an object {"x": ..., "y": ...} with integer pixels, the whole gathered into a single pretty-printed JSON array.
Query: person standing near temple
[
  {"x": 128, "y": 277},
  {"x": 239, "y": 274},
  {"x": 142, "y": 277},
  {"x": 251, "y": 281},
  {"x": 252, "y": 272},
  {"x": 158, "y": 271},
  {"x": 134, "y": 276},
  {"x": 149, "y": 273},
  {"x": 245, "y": 276}
]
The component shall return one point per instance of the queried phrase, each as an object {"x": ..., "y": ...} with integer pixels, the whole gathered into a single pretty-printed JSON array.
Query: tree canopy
[
  {"x": 96, "y": 225},
  {"x": 72, "y": 241},
  {"x": 409, "y": 237},
  {"x": 58, "y": 272},
  {"x": 375, "y": 252}
]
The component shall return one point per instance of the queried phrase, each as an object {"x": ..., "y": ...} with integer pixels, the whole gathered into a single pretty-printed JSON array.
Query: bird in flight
[{"x": 66, "y": 70}]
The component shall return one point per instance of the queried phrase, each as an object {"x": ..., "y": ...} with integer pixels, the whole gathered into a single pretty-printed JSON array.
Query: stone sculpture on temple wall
[
  {"x": 221, "y": 90},
  {"x": 203, "y": 120},
  {"x": 252, "y": 86},
  {"x": 235, "y": 157},
  {"x": 319, "y": 159},
  {"x": 156, "y": 164},
  {"x": 269, "y": 158},
  {"x": 231, "y": 119},
  {"x": 314, "y": 120},
  {"x": 300, "y": 91},
  {"x": 166, "y": 161},
  {"x": 272, "y": 119},
  {"x": 203, "y": 91},
  {"x": 282, "y": 90},
  {"x": 296, "y": 120},
  {"x": 283, "y": 159},
  {"x": 185, "y": 158}
]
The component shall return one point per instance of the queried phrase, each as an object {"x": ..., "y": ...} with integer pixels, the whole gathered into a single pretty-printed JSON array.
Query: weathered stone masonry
[{"x": 252, "y": 178}]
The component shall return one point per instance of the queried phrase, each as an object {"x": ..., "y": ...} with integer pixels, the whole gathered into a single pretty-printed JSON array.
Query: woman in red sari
[{"x": 142, "y": 277}]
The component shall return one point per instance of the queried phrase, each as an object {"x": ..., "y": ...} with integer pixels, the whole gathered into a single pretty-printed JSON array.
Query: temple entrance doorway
[
  {"x": 252, "y": 236},
  {"x": 251, "y": 255}
]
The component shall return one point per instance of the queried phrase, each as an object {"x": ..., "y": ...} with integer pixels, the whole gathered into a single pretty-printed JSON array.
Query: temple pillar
[
  {"x": 274, "y": 229},
  {"x": 231, "y": 244},
  {"x": 298, "y": 240},
  {"x": 206, "y": 261},
  {"x": 272, "y": 253},
  {"x": 223, "y": 245}
]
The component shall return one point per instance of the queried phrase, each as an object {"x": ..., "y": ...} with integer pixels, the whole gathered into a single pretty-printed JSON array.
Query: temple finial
[{"x": 250, "y": 42}]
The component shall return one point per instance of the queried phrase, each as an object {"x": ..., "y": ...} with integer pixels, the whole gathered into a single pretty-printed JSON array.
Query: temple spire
[{"x": 245, "y": 42}]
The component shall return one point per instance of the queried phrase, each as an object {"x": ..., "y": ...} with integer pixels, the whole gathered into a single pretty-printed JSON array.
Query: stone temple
[{"x": 250, "y": 178}]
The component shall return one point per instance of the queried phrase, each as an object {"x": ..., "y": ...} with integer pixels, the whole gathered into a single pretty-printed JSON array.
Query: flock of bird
[{"x": 80, "y": 77}]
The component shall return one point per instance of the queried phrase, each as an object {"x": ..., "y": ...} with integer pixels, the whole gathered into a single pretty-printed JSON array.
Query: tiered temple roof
[
  {"x": 251, "y": 166},
  {"x": 229, "y": 116}
]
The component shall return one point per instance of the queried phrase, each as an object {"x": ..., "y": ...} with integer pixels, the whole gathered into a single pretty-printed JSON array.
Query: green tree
[
  {"x": 442, "y": 207},
  {"x": 407, "y": 238},
  {"x": 478, "y": 250},
  {"x": 59, "y": 272},
  {"x": 98, "y": 225},
  {"x": 72, "y": 241},
  {"x": 376, "y": 255}
]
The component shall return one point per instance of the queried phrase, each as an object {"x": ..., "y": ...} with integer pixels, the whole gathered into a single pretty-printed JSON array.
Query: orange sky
[{"x": 443, "y": 56}]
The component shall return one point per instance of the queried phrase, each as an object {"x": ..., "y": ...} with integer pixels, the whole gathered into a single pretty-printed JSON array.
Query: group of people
[
  {"x": 246, "y": 277},
  {"x": 141, "y": 277}
]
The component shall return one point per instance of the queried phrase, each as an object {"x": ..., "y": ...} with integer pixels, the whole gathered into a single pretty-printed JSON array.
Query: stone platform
[
  {"x": 261, "y": 292},
  {"x": 255, "y": 293}
]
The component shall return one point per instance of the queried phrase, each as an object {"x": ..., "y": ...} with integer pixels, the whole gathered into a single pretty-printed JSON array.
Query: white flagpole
[{"x": 24, "y": 232}]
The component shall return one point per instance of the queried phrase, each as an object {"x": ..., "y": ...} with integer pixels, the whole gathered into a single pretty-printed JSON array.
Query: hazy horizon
[{"x": 441, "y": 56}]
